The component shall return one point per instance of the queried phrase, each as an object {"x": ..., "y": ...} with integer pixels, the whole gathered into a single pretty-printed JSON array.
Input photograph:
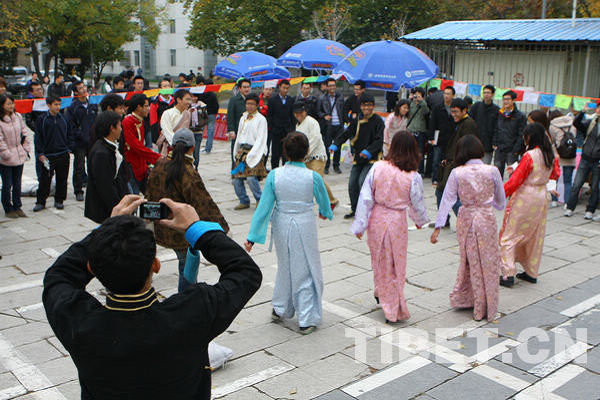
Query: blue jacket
[
  {"x": 81, "y": 119},
  {"x": 53, "y": 135}
]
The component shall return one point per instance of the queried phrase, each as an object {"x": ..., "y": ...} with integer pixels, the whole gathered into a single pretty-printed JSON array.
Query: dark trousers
[
  {"x": 11, "y": 185},
  {"x": 59, "y": 165},
  {"x": 332, "y": 132},
  {"x": 584, "y": 169},
  {"x": 438, "y": 154},
  {"x": 421, "y": 138},
  {"x": 277, "y": 135},
  {"x": 358, "y": 174},
  {"x": 232, "y": 155},
  {"x": 79, "y": 176},
  {"x": 502, "y": 158},
  {"x": 429, "y": 163}
]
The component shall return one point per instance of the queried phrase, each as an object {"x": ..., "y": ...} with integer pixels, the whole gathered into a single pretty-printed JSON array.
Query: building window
[
  {"x": 173, "y": 57},
  {"x": 126, "y": 60},
  {"x": 136, "y": 57},
  {"x": 171, "y": 26}
]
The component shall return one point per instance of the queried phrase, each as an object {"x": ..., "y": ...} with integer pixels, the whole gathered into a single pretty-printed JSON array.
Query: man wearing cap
[
  {"x": 317, "y": 156},
  {"x": 366, "y": 139},
  {"x": 250, "y": 151}
]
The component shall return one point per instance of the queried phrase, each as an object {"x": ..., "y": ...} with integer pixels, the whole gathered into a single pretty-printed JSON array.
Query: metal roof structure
[{"x": 515, "y": 30}]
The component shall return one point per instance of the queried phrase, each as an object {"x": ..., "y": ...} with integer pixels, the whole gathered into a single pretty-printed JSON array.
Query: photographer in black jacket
[{"x": 135, "y": 346}]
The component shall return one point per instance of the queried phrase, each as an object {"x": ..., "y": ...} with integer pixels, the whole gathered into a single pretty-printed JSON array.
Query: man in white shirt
[
  {"x": 317, "y": 156},
  {"x": 176, "y": 117},
  {"x": 250, "y": 150}
]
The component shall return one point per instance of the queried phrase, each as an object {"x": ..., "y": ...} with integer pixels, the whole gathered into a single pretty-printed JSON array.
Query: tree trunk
[{"x": 35, "y": 56}]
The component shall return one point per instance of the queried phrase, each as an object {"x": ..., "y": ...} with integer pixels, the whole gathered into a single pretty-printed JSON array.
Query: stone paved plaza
[{"x": 543, "y": 344}]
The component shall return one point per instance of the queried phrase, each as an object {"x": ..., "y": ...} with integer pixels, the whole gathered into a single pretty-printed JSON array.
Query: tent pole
[{"x": 587, "y": 69}]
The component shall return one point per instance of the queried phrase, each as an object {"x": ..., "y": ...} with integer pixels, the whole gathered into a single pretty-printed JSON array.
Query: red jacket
[
  {"x": 263, "y": 108},
  {"x": 138, "y": 155}
]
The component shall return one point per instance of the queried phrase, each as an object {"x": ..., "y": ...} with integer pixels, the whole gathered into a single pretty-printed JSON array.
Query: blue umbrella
[
  {"x": 387, "y": 65},
  {"x": 251, "y": 65},
  {"x": 314, "y": 54}
]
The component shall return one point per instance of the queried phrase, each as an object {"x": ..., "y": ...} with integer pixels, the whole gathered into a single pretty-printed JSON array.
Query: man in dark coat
[
  {"x": 235, "y": 109},
  {"x": 81, "y": 115},
  {"x": 280, "y": 119},
  {"x": 309, "y": 101},
  {"x": 485, "y": 114},
  {"x": 508, "y": 136},
  {"x": 441, "y": 129},
  {"x": 352, "y": 103},
  {"x": 331, "y": 112},
  {"x": 135, "y": 346}
]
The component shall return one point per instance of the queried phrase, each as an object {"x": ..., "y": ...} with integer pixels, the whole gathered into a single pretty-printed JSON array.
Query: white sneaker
[
  {"x": 588, "y": 215},
  {"x": 568, "y": 213},
  {"x": 596, "y": 218},
  {"x": 554, "y": 204}
]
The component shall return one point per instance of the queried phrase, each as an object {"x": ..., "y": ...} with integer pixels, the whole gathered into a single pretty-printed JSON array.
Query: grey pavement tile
[
  {"x": 40, "y": 352},
  {"x": 441, "y": 277},
  {"x": 411, "y": 384},
  {"x": 590, "y": 360},
  {"x": 21, "y": 298},
  {"x": 377, "y": 354},
  {"x": 337, "y": 370},
  {"x": 257, "y": 338},
  {"x": 470, "y": 386},
  {"x": 60, "y": 370},
  {"x": 320, "y": 344},
  {"x": 562, "y": 239},
  {"x": 71, "y": 390},
  {"x": 584, "y": 386},
  {"x": 591, "y": 284},
  {"x": 248, "y": 393},
  {"x": 8, "y": 321},
  {"x": 558, "y": 280},
  {"x": 585, "y": 327},
  {"x": 537, "y": 355},
  {"x": 242, "y": 367},
  {"x": 28, "y": 333},
  {"x": 519, "y": 296},
  {"x": 341, "y": 289},
  {"x": 296, "y": 384},
  {"x": 335, "y": 395},
  {"x": 529, "y": 317},
  {"x": 573, "y": 253},
  {"x": 436, "y": 300},
  {"x": 8, "y": 380},
  {"x": 563, "y": 300}
]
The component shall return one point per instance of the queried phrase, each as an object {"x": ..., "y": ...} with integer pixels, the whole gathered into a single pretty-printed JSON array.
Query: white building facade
[{"x": 172, "y": 55}]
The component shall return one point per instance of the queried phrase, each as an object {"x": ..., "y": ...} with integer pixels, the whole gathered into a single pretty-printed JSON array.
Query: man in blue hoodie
[
  {"x": 81, "y": 115},
  {"x": 53, "y": 142}
]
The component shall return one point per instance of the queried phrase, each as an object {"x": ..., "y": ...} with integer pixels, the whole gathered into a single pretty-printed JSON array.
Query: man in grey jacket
[
  {"x": 331, "y": 110},
  {"x": 417, "y": 120}
]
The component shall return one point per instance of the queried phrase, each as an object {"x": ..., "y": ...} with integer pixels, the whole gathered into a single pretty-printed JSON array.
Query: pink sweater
[{"x": 12, "y": 152}]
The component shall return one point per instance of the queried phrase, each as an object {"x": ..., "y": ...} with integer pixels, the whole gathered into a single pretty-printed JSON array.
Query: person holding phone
[
  {"x": 137, "y": 346},
  {"x": 176, "y": 178}
]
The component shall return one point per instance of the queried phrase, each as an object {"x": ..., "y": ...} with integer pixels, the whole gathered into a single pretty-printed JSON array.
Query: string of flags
[
  {"x": 525, "y": 96},
  {"x": 28, "y": 105}
]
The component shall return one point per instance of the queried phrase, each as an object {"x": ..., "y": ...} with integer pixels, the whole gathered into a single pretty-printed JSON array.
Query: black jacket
[
  {"x": 324, "y": 107},
  {"x": 104, "y": 190},
  {"x": 311, "y": 103},
  {"x": 281, "y": 116},
  {"x": 435, "y": 99},
  {"x": 464, "y": 127},
  {"x": 369, "y": 137},
  {"x": 57, "y": 90},
  {"x": 508, "y": 135},
  {"x": 53, "y": 135},
  {"x": 82, "y": 119},
  {"x": 211, "y": 101},
  {"x": 351, "y": 106},
  {"x": 486, "y": 118},
  {"x": 441, "y": 120},
  {"x": 143, "y": 348},
  {"x": 591, "y": 146}
]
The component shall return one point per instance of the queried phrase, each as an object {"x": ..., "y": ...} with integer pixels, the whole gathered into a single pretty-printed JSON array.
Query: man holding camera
[{"x": 135, "y": 346}]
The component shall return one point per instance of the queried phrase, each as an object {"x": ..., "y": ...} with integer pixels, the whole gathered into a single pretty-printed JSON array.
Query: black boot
[
  {"x": 508, "y": 282},
  {"x": 526, "y": 277}
]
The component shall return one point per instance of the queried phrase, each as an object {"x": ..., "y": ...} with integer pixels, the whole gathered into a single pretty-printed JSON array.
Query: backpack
[{"x": 567, "y": 148}]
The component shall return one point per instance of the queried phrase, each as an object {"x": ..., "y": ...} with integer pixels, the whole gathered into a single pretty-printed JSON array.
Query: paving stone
[
  {"x": 536, "y": 354},
  {"x": 60, "y": 370},
  {"x": 337, "y": 370},
  {"x": 340, "y": 289},
  {"x": 377, "y": 354},
  {"x": 8, "y": 380},
  {"x": 585, "y": 327},
  {"x": 242, "y": 367},
  {"x": 317, "y": 345},
  {"x": 566, "y": 299},
  {"x": 40, "y": 352},
  {"x": 21, "y": 298},
  {"x": 7, "y": 321},
  {"x": 584, "y": 386},
  {"x": 28, "y": 333},
  {"x": 411, "y": 384},
  {"x": 562, "y": 239},
  {"x": 335, "y": 395},
  {"x": 591, "y": 284},
  {"x": 449, "y": 319},
  {"x": 71, "y": 390},
  {"x": 248, "y": 393},
  {"x": 436, "y": 300},
  {"x": 257, "y": 338},
  {"x": 470, "y": 385},
  {"x": 293, "y": 385},
  {"x": 519, "y": 296},
  {"x": 574, "y": 252},
  {"x": 530, "y": 317},
  {"x": 590, "y": 360},
  {"x": 442, "y": 277},
  {"x": 558, "y": 280}
]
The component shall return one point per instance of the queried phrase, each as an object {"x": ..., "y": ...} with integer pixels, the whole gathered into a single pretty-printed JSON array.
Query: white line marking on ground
[
  {"x": 51, "y": 252},
  {"x": 28, "y": 375},
  {"x": 543, "y": 389},
  {"x": 251, "y": 380},
  {"x": 387, "y": 375},
  {"x": 581, "y": 307},
  {"x": 487, "y": 354},
  {"x": 559, "y": 359},
  {"x": 12, "y": 392},
  {"x": 20, "y": 286},
  {"x": 502, "y": 378}
]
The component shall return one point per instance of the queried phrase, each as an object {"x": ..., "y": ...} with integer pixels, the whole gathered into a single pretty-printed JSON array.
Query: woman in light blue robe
[{"x": 287, "y": 201}]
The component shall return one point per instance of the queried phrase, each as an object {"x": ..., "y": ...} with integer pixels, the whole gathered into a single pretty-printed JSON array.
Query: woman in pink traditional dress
[
  {"x": 395, "y": 122},
  {"x": 479, "y": 187},
  {"x": 392, "y": 186},
  {"x": 524, "y": 226}
]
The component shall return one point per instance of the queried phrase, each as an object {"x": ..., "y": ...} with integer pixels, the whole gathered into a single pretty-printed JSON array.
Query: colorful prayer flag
[
  {"x": 562, "y": 101},
  {"x": 547, "y": 100},
  {"x": 580, "y": 102},
  {"x": 474, "y": 89}
]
